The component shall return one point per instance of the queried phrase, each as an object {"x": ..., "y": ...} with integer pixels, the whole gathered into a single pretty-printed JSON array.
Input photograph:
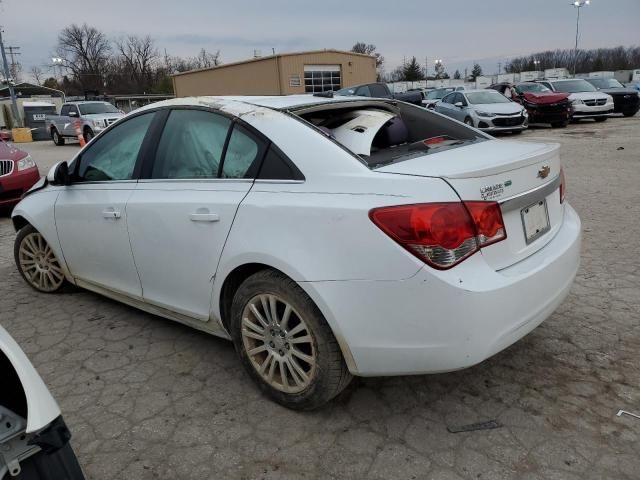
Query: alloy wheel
[
  {"x": 278, "y": 343},
  {"x": 39, "y": 264}
]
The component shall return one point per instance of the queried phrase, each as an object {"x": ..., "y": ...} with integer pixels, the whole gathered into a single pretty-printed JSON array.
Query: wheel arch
[{"x": 240, "y": 273}]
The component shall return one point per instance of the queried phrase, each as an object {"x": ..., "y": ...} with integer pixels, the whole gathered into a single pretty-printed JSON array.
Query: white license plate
[
  {"x": 535, "y": 220},
  {"x": 39, "y": 116}
]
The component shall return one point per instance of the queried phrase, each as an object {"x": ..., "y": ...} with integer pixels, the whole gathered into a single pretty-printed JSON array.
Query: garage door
[{"x": 322, "y": 78}]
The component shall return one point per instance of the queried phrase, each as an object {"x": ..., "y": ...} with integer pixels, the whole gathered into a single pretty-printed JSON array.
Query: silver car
[{"x": 486, "y": 110}]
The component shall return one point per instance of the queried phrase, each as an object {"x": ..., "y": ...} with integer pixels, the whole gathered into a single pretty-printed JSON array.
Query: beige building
[{"x": 283, "y": 74}]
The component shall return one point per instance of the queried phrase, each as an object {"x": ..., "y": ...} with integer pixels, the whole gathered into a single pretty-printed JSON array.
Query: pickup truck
[
  {"x": 381, "y": 90},
  {"x": 94, "y": 117}
]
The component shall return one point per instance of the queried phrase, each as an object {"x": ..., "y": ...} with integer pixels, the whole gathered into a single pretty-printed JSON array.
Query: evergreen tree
[
  {"x": 412, "y": 71},
  {"x": 476, "y": 72}
]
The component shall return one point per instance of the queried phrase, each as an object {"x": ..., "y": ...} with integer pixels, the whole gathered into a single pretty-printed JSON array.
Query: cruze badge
[
  {"x": 544, "y": 172},
  {"x": 494, "y": 191}
]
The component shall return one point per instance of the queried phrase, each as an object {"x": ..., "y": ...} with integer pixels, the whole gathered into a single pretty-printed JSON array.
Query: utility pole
[
  {"x": 13, "y": 52},
  {"x": 578, "y": 4},
  {"x": 12, "y": 93},
  {"x": 499, "y": 67}
]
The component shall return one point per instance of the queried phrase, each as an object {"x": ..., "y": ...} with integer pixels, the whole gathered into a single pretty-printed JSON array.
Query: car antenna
[{"x": 327, "y": 94}]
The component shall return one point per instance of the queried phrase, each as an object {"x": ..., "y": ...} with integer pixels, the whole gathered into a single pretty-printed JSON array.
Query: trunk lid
[{"x": 515, "y": 174}]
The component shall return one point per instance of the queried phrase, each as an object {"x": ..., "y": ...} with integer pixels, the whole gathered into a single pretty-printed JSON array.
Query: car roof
[{"x": 274, "y": 102}]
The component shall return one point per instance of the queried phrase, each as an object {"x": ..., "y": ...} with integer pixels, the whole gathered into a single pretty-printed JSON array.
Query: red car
[
  {"x": 543, "y": 105},
  {"x": 18, "y": 173}
]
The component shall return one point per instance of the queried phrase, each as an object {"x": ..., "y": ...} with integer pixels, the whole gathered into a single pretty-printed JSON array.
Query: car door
[
  {"x": 182, "y": 211},
  {"x": 91, "y": 215},
  {"x": 445, "y": 106},
  {"x": 73, "y": 114}
]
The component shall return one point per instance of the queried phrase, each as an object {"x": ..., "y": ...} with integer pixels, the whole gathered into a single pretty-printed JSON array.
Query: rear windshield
[
  {"x": 381, "y": 133},
  {"x": 574, "y": 86},
  {"x": 95, "y": 108},
  {"x": 439, "y": 93}
]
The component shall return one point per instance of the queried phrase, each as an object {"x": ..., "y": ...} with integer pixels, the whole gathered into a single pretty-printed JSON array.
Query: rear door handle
[
  {"x": 204, "y": 217},
  {"x": 110, "y": 213}
]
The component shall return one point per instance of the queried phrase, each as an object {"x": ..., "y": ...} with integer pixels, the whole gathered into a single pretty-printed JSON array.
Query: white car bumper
[{"x": 441, "y": 321}]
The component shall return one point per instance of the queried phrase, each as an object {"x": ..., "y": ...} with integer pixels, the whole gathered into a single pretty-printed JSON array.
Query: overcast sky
[{"x": 458, "y": 32}]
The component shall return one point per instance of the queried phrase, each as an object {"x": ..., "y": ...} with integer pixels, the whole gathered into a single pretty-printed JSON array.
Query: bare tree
[
  {"x": 368, "y": 49},
  {"x": 84, "y": 51},
  {"x": 205, "y": 59},
  {"x": 139, "y": 55},
  {"x": 37, "y": 74}
]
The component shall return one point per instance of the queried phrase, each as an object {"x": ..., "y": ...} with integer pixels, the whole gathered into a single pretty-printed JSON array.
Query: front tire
[
  {"x": 88, "y": 135},
  {"x": 600, "y": 119},
  {"x": 468, "y": 121},
  {"x": 284, "y": 342},
  {"x": 36, "y": 261},
  {"x": 560, "y": 124},
  {"x": 516, "y": 132},
  {"x": 629, "y": 114},
  {"x": 57, "y": 138}
]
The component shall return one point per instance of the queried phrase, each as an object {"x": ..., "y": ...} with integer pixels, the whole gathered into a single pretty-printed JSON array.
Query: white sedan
[{"x": 327, "y": 237}]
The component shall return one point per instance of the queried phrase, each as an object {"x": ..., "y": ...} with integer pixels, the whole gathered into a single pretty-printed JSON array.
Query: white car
[
  {"x": 327, "y": 237},
  {"x": 34, "y": 440},
  {"x": 586, "y": 100},
  {"x": 487, "y": 110}
]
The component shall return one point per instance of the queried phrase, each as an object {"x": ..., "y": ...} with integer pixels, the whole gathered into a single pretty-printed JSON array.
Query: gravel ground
[{"x": 150, "y": 399}]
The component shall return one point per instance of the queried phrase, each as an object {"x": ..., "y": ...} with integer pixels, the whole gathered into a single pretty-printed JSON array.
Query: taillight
[
  {"x": 563, "y": 186},
  {"x": 442, "y": 234}
]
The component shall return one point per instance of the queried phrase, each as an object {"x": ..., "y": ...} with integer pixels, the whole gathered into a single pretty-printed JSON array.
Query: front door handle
[
  {"x": 110, "y": 213},
  {"x": 204, "y": 217}
]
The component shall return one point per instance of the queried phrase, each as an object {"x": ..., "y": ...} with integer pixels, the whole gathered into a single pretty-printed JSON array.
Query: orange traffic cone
[{"x": 78, "y": 126}]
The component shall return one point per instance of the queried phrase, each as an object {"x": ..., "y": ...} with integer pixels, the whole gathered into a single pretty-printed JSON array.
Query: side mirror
[
  {"x": 459, "y": 104},
  {"x": 59, "y": 174}
]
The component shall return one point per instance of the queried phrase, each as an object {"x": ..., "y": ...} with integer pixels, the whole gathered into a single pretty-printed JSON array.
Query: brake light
[
  {"x": 563, "y": 186},
  {"x": 442, "y": 234}
]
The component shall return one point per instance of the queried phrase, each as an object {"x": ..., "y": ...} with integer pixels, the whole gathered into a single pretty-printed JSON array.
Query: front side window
[
  {"x": 449, "y": 98},
  {"x": 114, "y": 154},
  {"x": 191, "y": 145}
]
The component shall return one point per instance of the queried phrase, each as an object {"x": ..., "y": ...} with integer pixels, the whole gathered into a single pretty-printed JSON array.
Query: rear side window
[
  {"x": 378, "y": 91},
  {"x": 242, "y": 155},
  {"x": 363, "y": 91},
  {"x": 276, "y": 166},
  {"x": 191, "y": 145},
  {"x": 64, "y": 111}
]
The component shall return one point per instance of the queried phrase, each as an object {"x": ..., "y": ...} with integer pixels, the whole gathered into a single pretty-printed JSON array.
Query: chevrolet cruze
[{"x": 326, "y": 237}]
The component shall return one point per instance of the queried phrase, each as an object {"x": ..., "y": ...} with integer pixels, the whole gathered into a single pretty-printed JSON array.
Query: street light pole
[
  {"x": 12, "y": 93},
  {"x": 578, "y": 4}
]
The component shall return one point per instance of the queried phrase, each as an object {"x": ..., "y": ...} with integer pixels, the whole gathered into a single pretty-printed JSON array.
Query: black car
[{"x": 625, "y": 100}]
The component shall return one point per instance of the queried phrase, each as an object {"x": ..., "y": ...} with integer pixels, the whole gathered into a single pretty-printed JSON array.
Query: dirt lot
[{"x": 150, "y": 399}]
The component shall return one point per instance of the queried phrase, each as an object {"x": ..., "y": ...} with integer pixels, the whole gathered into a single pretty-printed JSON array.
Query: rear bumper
[
  {"x": 443, "y": 321},
  {"x": 13, "y": 186}
]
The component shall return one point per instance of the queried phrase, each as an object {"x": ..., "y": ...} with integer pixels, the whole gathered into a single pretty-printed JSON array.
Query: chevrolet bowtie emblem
[{"x": 544, "y": 172}]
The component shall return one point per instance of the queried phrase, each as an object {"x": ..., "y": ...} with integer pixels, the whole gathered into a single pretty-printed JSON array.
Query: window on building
[{"x": 322, "y": 78}]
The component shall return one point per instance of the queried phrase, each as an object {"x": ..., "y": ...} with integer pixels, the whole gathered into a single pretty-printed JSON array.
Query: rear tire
[
  {"x": 600, "y": 119},
  {"x": 284, "y": 342},
  {"x": 516, "y": 132},
  {"x": 629, "y": 114},
  {"x": 36, "y": 261},
  {"x": 56, "y": 137},
  {"x": 560, "y": 124}
]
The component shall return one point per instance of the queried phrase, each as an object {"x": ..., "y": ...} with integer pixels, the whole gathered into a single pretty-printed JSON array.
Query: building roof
[
  {"x": 271, "y": 57},
  {"x": 28, "y": 89}
]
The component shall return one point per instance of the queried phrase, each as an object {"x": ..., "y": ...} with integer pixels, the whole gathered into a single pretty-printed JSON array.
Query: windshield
[
  {"x": 488, "y": 96},
  {"x": 531, "y": 87},
  {"x": 439, "y": 93},
  {"x": 574, "y": 86},
  {"x": 605, "y": 83},
  {"x": 98, "y": 107}
]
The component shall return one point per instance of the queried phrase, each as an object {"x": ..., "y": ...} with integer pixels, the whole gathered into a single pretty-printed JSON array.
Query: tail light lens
[
  {"x": 563, "y": 186},
  {"x": 442, "y": 234}
]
